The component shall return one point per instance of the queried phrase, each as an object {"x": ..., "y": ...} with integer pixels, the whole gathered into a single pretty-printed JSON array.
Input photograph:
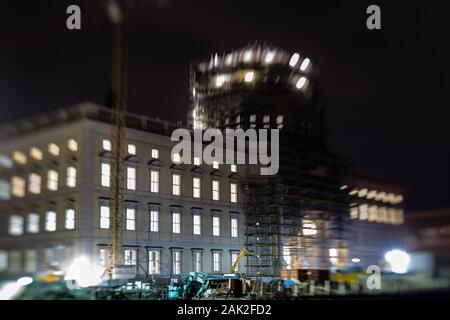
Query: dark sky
[{"x": 386, "y": 91}]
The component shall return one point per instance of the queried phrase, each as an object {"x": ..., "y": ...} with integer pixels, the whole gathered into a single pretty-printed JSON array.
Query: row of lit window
[
  {"x": 375, "y": 195},
  {"x": 13, "y": 260},
  {"x": 130, "y": 222},
  {"x": 176, "y": 183},
  {"x": 154, "y": 260},
  {"x": 377, "y": 214},
  {"x": 267, "y": 57},
  {"x": 35, "y": 153},
  {"x": 17, "y": 186},
  {"x": 18, "y": 224}
]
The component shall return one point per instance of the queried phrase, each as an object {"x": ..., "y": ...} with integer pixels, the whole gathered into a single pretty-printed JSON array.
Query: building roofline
[{"x": 84, "y": 110}]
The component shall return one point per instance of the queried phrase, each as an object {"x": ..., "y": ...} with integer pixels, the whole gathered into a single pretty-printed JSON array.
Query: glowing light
[
  {"x": 24, "y": 281},
  {"x": 356, "y": 260},
  {"x": 9, "y": 290},
  {"x": 301, "y": 83},
  {"x": 248, "y": 55},
  {"x": 220, "y": 80},
  {"x": 229, "y": 59},
  {"x": 305, "y": 64},
  {"x": 193, "y": 92},
  {"x": 309, "y": 228},
  {"x": 333, "y": 252},
  {"x": 399, "y": 260},
  {"x": 84, "y": 273},
  {"x": 269, "y": 57},
  {"x": 294, "y": 59},
  {"x": 344, "y": 187},
  {"x": 249, "y": 76}
]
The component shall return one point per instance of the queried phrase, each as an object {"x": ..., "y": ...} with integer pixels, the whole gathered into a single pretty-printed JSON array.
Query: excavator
[{"x": 196, "y": 284}]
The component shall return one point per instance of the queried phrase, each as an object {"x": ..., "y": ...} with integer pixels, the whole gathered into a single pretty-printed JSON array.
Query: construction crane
[
  {"x": 242, "y": 253},
  {"x": 118, "y": 13}
]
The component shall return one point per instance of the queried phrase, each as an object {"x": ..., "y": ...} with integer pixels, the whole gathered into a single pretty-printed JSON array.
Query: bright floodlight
[
  {"x": 84, "y": 272},
  {"x": 269, "y": 57},
  {"x": 305, "y": 64},
  {"x": 301, "y": 83},
  {"x": 294, "y": 59},
  {"x": 220, "y": 80},
  {"x": 249, "y": 76},
  {"x": 356, "y": 260},
  {"x": 399, "y": 260},
  {"x": 24, "y": 281}
]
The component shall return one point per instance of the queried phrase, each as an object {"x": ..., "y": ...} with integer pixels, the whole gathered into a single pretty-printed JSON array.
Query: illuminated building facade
[{"x": 54, "y": 198}]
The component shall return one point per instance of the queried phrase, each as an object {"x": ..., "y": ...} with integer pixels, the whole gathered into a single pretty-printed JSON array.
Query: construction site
[{"x": 288, "y": 236}]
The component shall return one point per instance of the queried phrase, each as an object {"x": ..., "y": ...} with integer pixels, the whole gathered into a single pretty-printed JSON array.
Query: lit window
[
  {"x": 154, "y": 220},
  {"x": 234, "y": 227},
  {"x": 132, "y": 149},
  {"x": 52, "y": 180},
  {"x": 363, "y": 212},
  {"x": 196, "y": 222},
  {"x": 196, "y": 191},
  {"x": 176, "y": 184},
  {"x": 154, "y": 181},
  {"x": 279, "y": 120},
  {"x": 216, "y": 226},
  {"x": 373, "y": 213},
  {"x": 309, "y": 228},
  {"x": 106, "y": 175},
  {"x": 380, "y": 196},
  {"x": 53, "y": 149},
  {"x": 50, "y": 221},
  {"x": 176, "y": 262},
  {"x": 221, "y": 79},
  {"x": 34, "y": 183},
  {"x": 102, "y": 257},
  {"x": 294, "y": 59},
  {"x": 155, "y": 153},
  {"x": 249, "y": 76},
  {"x": 5, "y": 161},
  {"x": 33, "y": 223},
  {"x": 233, "y": 168},
  {"x": 216, "y": 261},
  {"x": 266, "y": 119},
  {"x": 305, "y": 64},
  {"x": 354, "y": 212},
  {"x": 106, "y": 145},
  {"x": 215, "y": 190},
  {"x": 215, "y": 164},
  {"x": 3, "y": 260},
  {"x": 362, "y": 193},
  {"x": 234, "y": 257},
  {"x": 18, "y": 187},
  {"x": 130, "y": 257},
  {"x": 154, "y": 258},
  {"x": 301, "y": 83},
  {"x": 233, "y": 192},
  {"x": 15, "y": 261},
  {"x": 5, "y": 190},
  {"x": 399, "y": 219},
  {"x": 69, "y": 222},
  {"x": 176, "y": 222},
  {"x": 131, "y": 178},
  {"x": 36, "y": 153},
  {"x": 372, "y": 194},
  {"x": 71, "y": 177},
  {"x": 15, "y": 225},
  {"x": 252, "y": 118},
  {"x": 19, "y": 157},
  {"x": 248, "y": 54},
  {"x": 229, "y": 59},
  {"x": 30, "y": 260},
  {"x": 197, "y": 257},
  {"x": 269, "y": 57},
  {"x": 130, "y": 219},
  {"x": 72, "y": 145},
  {"x": 196, "y": 161},
  {"x": 176, "y": 157},
  {"x": 104, "y": 217}
]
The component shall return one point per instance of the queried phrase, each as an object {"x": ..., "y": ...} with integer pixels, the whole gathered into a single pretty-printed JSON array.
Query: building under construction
[{"x": 296, "y": 218}]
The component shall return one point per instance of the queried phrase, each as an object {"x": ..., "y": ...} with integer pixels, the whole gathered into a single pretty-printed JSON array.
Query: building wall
[{"x": 86, "y": 198}]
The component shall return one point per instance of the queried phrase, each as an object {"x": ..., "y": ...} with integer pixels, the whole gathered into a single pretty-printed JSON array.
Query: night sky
[{"x": 386, "y": 91}]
